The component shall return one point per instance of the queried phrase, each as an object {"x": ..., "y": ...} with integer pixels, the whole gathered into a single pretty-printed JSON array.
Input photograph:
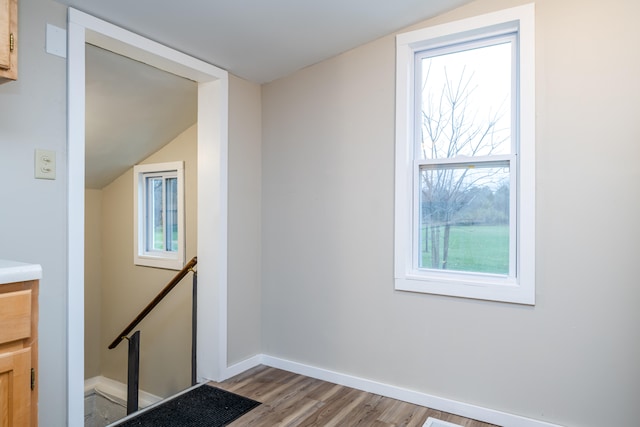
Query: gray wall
[
  {"x": 244, "y": 293},
  {"x": 33, "y": 214},
  {"x": 327, "y": 297},
  {"x": 328, "y": 195}
]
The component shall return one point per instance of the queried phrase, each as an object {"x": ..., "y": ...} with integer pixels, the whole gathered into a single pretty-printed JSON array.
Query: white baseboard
[
  {"x": 467, "y": 410},
  {"x": 243, "y": 366},
  {"x": 118, "y": 390},
  {"x": 418, "y": 398}
]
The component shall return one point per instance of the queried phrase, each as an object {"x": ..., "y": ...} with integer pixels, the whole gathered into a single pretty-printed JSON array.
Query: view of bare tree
[{"x": 452, "y": 127}]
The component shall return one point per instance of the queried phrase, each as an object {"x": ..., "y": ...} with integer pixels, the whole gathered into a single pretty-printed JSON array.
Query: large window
[
  {"x": 158, "y": 216},
  {"x": 465, "y": 173}
]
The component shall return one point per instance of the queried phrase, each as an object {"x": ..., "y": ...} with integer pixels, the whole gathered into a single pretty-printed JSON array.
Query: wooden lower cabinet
[{"x": 18, "y": 354}]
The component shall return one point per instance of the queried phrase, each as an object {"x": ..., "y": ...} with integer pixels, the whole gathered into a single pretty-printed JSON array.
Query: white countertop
[{"x": 13, "y": 271}]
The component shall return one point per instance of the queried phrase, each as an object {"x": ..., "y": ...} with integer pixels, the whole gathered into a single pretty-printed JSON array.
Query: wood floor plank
[
  {"x": 329, "y": 409},
  {"x": 367, "y": 414},
  {"x": 402, "y": 414},
  {"x": 292, "y": 400},
  {"x": 354, "y": 400}
]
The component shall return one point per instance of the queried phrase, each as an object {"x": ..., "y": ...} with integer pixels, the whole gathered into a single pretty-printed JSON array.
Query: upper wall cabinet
[{"x": 8, "y": 40}]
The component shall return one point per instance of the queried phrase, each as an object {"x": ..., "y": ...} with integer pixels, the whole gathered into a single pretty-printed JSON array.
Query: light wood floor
[{"x": 295, "y": 400}]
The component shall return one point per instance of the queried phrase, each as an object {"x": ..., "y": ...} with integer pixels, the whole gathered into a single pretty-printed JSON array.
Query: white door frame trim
[{"x": 213, "y": 96}]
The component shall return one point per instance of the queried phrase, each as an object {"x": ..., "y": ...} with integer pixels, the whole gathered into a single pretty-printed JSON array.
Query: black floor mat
[{"x": 203, "y": 406}]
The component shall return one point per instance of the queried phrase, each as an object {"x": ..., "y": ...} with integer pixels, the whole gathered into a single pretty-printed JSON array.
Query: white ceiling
[
  {"x": 263, "y": 40},
  {"x": 133, "y": 109}
]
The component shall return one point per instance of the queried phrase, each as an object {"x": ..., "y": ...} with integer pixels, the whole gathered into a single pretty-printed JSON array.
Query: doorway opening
[{"x": 211, "y": 195}]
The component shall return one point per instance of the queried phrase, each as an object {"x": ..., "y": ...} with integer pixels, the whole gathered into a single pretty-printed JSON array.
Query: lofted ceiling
[
  {"x": 257, "y": 40},
  {"x": 132, "y": 110}
]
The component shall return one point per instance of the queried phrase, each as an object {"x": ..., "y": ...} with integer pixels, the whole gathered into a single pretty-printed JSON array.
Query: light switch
[{"x": 45, "y": 164}]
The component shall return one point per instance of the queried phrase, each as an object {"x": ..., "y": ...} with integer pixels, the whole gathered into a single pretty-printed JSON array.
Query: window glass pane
[
  {"x": 159, "y": 215},
  {"x": 465, "y": 102},
  {"x": 172, "y": 214},
  {"x": 464, "y": 218},
  {"x": 155, "y": 223}
]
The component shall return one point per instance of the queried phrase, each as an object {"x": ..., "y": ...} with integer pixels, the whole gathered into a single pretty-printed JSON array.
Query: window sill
[
  {"x": 159, "y": 262},
  {"x": 485, "y": 290}
]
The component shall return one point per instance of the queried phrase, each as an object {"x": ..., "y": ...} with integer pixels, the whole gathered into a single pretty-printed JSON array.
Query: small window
[
  {"x": 159, "y": 215},
  {"x": 465, "y": 174}
]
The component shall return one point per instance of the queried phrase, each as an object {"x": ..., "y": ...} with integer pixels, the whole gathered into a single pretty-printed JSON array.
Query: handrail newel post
[
  {"x": 134, "y": 340},
  {"x": 133, "y": 375},
  {"x": 194, "y": 329}
]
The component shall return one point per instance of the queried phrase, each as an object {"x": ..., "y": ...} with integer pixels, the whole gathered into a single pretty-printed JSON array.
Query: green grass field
[
  {"x": 158, "y": 242},
  {"x": 479, "y": 248}
]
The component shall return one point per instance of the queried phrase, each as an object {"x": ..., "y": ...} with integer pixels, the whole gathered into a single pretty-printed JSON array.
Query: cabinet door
[
  {"x": 8, "y": 40},
  {"x": 15, "y": 388},
  {"x": 5, "y": 31}
]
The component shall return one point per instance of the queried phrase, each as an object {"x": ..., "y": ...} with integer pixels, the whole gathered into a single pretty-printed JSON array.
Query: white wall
[
  {"x": 33, "y": 213},
  {"x": 327, "y": 242},
  {"x": 93, "y": 256}
]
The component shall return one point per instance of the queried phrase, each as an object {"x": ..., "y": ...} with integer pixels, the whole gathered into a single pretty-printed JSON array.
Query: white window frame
[
  {"x": 172, "y": 260},
  {"x": 519, "y": 285}
]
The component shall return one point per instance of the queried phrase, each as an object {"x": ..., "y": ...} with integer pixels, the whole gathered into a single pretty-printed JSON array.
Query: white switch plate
[
  {"x": 56, "y": 41},
  {"x": 45, "y": 164}
]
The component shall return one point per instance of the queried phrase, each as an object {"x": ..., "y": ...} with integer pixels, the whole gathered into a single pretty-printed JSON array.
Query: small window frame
[
  {"x": 519, "y": 285},
  {"x": 171, "y": 260}
]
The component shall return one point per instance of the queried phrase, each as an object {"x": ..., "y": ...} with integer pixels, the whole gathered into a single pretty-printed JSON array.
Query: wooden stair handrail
[{"x": 163, "y": 293}]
